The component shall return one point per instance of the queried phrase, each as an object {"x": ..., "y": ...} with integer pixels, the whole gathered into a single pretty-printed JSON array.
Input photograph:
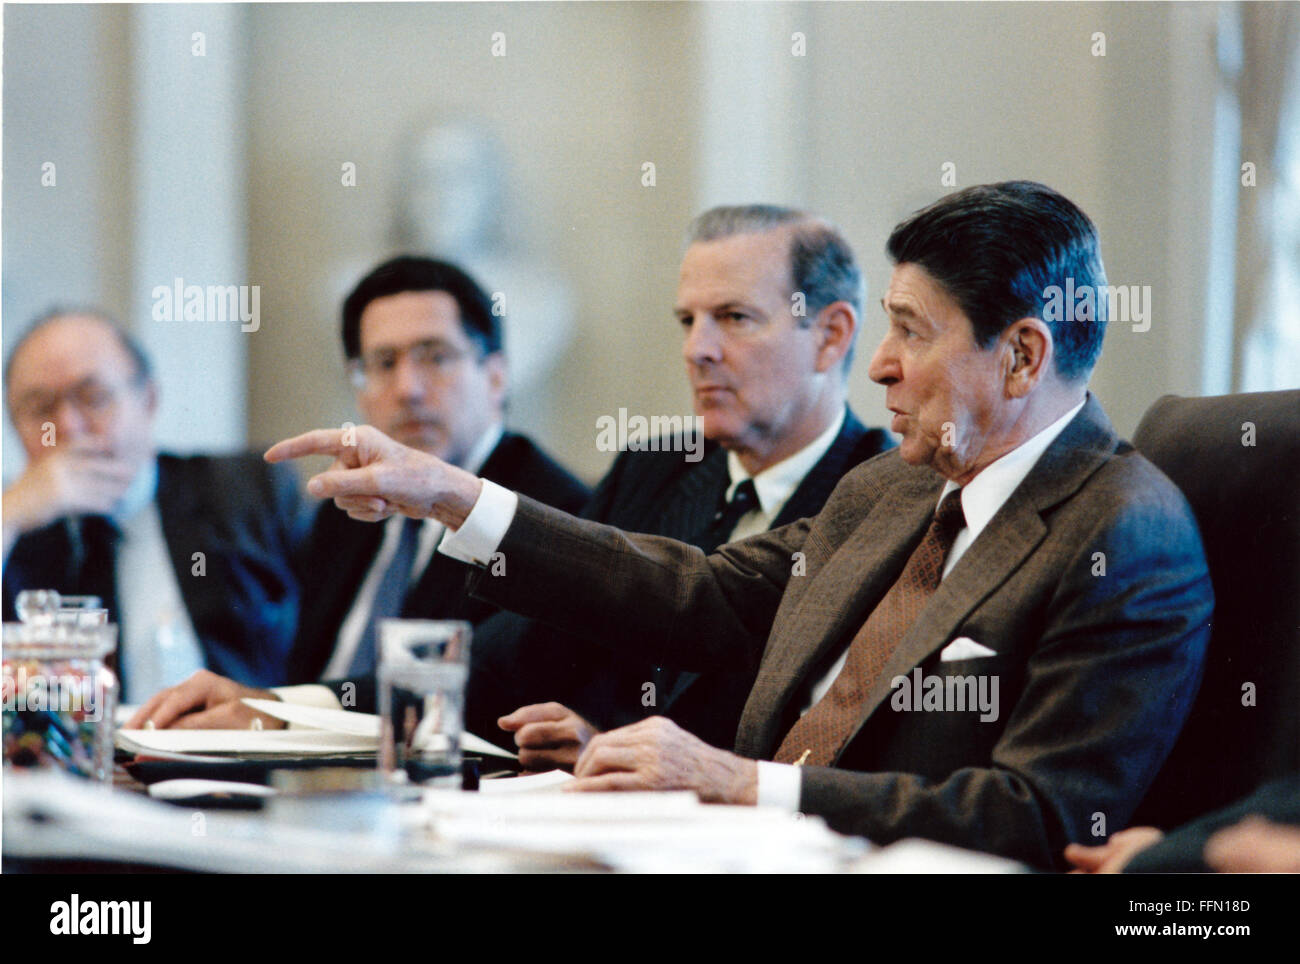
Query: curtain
[{"x": 1267, "y": 309}]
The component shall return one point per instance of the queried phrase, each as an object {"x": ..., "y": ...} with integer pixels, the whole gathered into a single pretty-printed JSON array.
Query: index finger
[
  {"x": 321, "y": 441},
  {"x": 533, "y": 713}
]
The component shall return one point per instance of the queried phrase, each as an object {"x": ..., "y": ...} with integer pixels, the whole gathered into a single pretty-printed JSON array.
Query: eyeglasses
[
  {"x": 432, "y": 359},
  {"x": 91, "y": 397}
]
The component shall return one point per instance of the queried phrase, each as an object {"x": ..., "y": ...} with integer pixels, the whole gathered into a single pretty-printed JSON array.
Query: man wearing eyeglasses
[
  {"x": 428, "y": 364},
  {"x": 425, "y": 354},
  {"x": 192, "y": 556}
]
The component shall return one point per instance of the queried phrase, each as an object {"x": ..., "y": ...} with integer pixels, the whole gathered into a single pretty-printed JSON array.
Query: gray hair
[
  {"x": 822, "y": 265},
  {"x": 143, "y": 368}
]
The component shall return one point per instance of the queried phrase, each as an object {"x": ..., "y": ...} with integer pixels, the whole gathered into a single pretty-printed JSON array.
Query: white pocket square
[{"x": 964, "y": 648}]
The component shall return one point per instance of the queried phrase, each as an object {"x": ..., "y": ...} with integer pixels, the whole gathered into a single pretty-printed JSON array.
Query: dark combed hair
[
  {"x": 414, "y": 273},
  {"x": 997, "y": 249}
]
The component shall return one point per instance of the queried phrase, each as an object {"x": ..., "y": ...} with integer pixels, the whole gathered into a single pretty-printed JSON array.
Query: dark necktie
[
  {"x": 94, "y": 573},
  {"x": 388, "y": 598},
  {"x": 718, "y": 533},
  {"x": 94, "y": 569},
  {"x": 821, "y": 733}
]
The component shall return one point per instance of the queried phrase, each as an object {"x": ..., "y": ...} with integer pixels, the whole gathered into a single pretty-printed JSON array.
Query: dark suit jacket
[
  {"x": 1095, "y": 672},
  {"x": 1183, "y": 850},
  {"x": 516, "y": 661},
  {"x": 244, "y": 516},
  {"x": 339, "y": 551}
]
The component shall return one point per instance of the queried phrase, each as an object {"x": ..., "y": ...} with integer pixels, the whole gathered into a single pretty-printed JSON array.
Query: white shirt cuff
[
  {"x": 778, "y": 785},
  {"x": 477, "y": 539}
]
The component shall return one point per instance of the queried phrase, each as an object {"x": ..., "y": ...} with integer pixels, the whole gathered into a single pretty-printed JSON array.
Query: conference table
[{"x": 353, "y": 819}]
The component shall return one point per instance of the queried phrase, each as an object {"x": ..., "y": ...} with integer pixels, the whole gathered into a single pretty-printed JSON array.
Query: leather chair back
[{"x": 1237, "y": 460}]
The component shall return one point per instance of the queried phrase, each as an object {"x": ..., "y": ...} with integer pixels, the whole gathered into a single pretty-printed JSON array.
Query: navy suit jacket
[
  {"x": 244, "y": 516},
  {"x": 516, "y": 661},
  {"x": 339, "y": 551}
]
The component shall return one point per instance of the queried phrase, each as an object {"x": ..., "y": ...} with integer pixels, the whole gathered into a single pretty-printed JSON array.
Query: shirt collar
[
  {"x": 985, "y": 494},
  {"x": 139, "y": 493},
  {"x": 776, "y": 483},
  {"x": 483, "y": 448}
]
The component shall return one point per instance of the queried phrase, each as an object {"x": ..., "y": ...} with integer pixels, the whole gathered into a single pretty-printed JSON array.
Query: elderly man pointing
[{"x": 1012, "y": 546}]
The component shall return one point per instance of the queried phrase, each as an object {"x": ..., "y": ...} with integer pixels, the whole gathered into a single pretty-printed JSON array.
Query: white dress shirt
[
  {"x": 158, "y": 646},
  {"x": 354, "y": 624},
  {"x": 776, "y": 483}
]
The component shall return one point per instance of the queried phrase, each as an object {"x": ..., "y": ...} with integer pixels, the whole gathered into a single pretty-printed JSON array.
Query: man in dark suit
[
  {"x": 773, "y": 416},
  {"x": 424, "y": 350},
  {"x": 191, "y": 555},
  {"x": 989, "y": 637}
]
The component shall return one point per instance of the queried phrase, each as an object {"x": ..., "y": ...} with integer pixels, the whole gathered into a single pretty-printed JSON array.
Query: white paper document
[
  {"x": 550, "y": 781},
  {"x": 288, "y": 742},
  {"x": 653, "y": 832},
  {"x": 358, "y": 724}
]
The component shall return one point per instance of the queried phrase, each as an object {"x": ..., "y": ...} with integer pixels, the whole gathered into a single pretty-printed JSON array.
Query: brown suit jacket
[{"x": 1090, "y": 585}]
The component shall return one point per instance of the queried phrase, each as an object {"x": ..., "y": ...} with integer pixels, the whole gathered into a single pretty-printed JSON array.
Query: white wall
[
  {"x": 857, "y": 129},
  {"x": 66, "y": 243}
]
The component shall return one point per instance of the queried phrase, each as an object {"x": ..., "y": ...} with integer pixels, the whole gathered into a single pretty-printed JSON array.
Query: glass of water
[{"x": 423, "y": 667}]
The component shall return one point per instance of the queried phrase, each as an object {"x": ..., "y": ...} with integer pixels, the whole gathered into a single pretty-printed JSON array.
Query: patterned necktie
[
  {"x": 388, "y": 598},
  {"x": 744, "y": 499},
  {"x": 821, "y": 733}
]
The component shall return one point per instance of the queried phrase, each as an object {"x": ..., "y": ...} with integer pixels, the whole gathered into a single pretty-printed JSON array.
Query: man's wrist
[
  {"x": 463, "y": 490},
  {"x": 736, "y": 780},
  {"x": 478, "y": 537},
  {"x": 745, "y": 792}
]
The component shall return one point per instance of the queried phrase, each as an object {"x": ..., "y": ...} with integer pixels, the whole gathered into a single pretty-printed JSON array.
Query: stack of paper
[
  {"x": 317, "y": 732},
  {"x": 641, "y": 832}
]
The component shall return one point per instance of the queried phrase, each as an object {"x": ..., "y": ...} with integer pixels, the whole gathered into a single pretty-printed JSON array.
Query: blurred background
[{"x": 294, "y": 146}]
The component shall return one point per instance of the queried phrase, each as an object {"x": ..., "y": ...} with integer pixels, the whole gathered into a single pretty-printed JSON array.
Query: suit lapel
[
  {"x": 689, "y": 508},
  {"x": 1002, "y": 547},
  {"x": 817, "y": 485},
  {"x": 988, "y": 563},
  {"x": 179, "y": 515},
  {"x": 837, "y": 599},
  {"x": 865, "y": 565},
  {"x": 438, "y": 593},
  {"x": 43, "y": 559}
]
